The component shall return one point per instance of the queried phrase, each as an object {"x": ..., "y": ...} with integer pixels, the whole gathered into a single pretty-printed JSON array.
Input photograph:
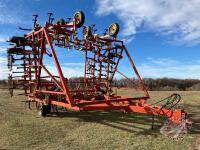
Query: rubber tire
[
  {"x": 43, "y": 111},
  {"x": 82, "y": 21},
  {"x": 116, "y": 32},
  {"x": 48, "y": 109}
]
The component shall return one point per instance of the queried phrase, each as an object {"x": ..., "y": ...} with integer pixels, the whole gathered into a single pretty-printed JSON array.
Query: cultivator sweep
[{"x": 102, "y": 56}]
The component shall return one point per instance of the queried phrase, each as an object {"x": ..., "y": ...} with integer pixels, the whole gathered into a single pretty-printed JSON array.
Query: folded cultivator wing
[{"x": 102, "y": 56}]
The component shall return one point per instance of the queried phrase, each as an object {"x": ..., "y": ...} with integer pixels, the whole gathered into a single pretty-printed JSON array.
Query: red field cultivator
[{"x": 95, "y": 92}]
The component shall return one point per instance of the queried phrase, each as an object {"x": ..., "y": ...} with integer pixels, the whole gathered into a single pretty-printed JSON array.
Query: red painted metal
[{"x": 102, "y": 57}]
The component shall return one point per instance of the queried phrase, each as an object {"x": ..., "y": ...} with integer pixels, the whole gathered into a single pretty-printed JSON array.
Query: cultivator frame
[{"x": 102, "y": 56}]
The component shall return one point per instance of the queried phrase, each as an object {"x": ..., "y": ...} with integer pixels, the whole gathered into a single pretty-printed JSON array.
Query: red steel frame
[{"x": 101, "y": 61}]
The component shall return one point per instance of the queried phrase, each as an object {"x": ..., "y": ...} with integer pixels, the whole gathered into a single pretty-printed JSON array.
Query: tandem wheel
[{"x": 44, "y": 110}]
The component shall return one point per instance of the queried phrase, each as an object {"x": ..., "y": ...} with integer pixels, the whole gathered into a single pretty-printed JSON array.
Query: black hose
[{"x": 171, "y": 101}]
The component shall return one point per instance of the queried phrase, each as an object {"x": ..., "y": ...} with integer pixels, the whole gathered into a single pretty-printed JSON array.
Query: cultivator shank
[{"x": 102, "y": 56}]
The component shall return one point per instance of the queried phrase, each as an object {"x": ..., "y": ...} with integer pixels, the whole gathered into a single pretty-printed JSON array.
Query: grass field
[{"x": 22, "y": 128}]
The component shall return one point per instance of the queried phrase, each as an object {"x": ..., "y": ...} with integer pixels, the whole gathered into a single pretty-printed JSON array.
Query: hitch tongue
[{"x": 175, "y": 130}]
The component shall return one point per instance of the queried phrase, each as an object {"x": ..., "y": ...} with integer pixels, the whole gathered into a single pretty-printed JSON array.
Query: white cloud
[
  {"x": 3, "y": 68},
  {"x": 168, "y": 17},
  {"x": 163, "y": 61},
  {"x": 3, "y": 60},
  {"x": 3, "y": 49},
  {"x": 12, "y": 12},
  {"x": 3, "y": 38},
  {"x": 165, "y": 67},
  {"x": 154, "y": 68},
  {"x": 73, "y": 64},
  {"x": 73, "y": 71},
  {"x": 68, "y": 71}
]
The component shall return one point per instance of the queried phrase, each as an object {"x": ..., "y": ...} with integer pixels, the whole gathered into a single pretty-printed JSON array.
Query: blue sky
[{"x": 163, "y": 36}]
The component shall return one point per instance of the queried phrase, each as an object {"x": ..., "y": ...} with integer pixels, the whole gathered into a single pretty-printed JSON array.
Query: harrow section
[{"x": 102, "y": 56}]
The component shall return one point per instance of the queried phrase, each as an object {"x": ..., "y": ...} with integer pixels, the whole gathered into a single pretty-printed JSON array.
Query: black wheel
[
  {"x": 48, "y": 109},
  {"x": 79, "y": 19},
  {"x": 43, "y": 111},
  {"x": 87, "y": 31},
  {"x": 113, "y": 29}
]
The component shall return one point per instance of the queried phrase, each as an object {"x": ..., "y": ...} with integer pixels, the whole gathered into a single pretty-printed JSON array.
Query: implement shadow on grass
[
  {"x": 130, "y": 122},
  {"x": 194, "y": 115}
]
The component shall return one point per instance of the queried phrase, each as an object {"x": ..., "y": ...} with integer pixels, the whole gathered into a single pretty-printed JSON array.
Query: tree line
[{"x": 162, "y": 84}]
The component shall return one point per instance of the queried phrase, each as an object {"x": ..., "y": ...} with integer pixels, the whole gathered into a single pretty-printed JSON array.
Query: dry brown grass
[{"x": 21, "y": 128}]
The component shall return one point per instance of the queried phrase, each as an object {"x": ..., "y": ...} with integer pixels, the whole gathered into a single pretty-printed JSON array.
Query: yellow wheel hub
[
  {"x": 113, "y": 29},
  {"x": 79, "y": 18}
]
